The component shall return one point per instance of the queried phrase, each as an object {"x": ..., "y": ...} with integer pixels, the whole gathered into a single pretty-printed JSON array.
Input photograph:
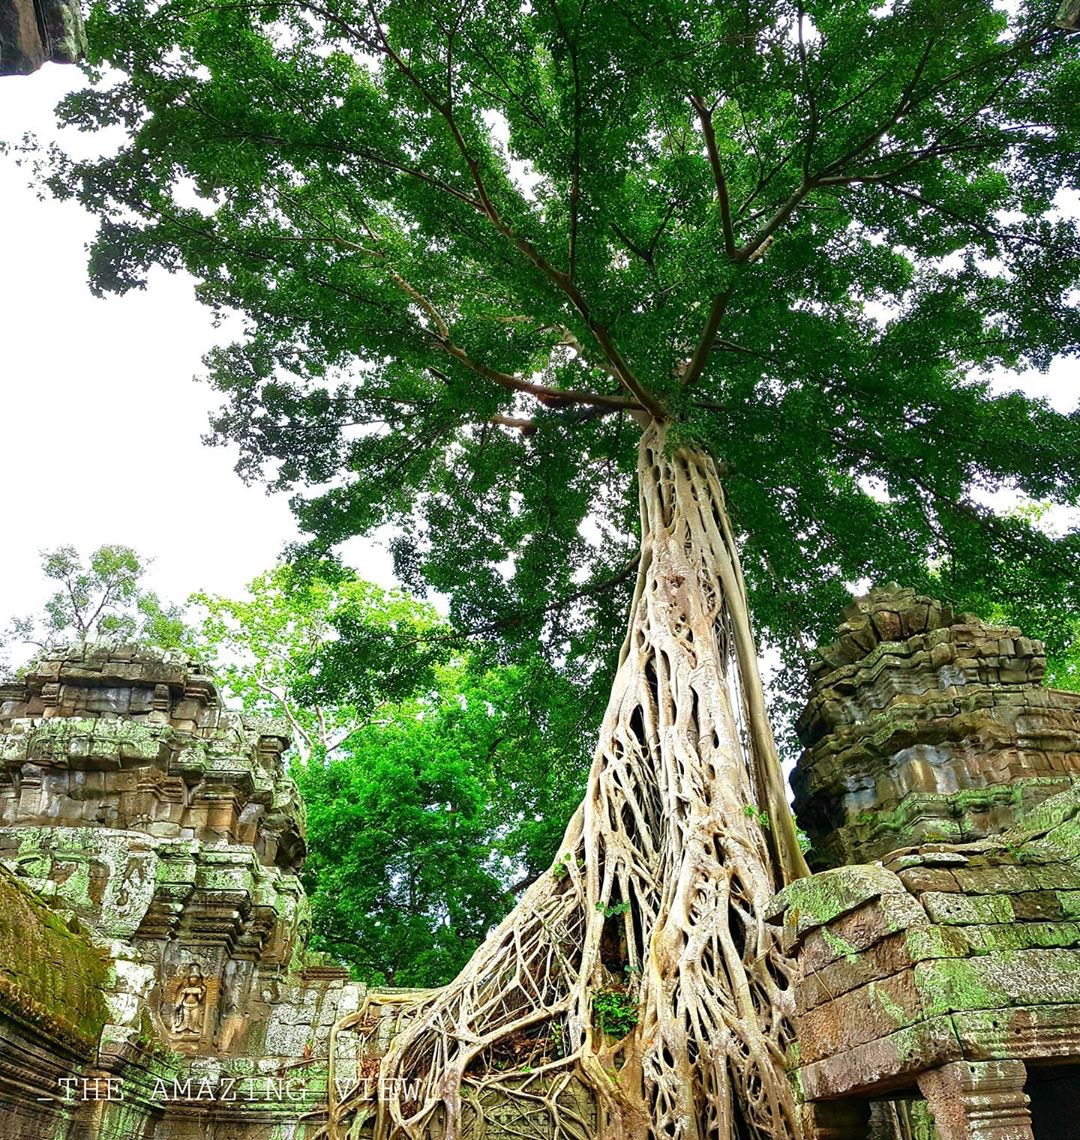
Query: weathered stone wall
[
  {"x": 150, "y": 842},
  {"x": 1068, "y": 16},
  {"x": 935, "y": 987},
  {"x": 924, "y": 725},
  {"x": 52, "y": 1007},
  {"x": 33, "y": 32},
  {"x": 941, "y": 955}
]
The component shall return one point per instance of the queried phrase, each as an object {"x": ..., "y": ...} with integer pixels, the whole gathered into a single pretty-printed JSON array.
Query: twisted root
[{"x": 656, "y": 901}]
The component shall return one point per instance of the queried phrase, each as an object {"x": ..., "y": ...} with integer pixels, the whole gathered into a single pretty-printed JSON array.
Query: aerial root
[{"x": 636, "y": 991}]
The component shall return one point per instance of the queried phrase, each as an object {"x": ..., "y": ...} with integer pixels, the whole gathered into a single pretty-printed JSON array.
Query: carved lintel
[{"x": 978, "y": 1100}]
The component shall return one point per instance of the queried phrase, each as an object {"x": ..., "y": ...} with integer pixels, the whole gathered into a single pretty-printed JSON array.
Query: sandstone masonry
[
  {"x": 938, "y": 987},
  {"x": 927, "y": 725},
  {"x": 33, "y": 32},
  {"x": 153, "y": 975}
]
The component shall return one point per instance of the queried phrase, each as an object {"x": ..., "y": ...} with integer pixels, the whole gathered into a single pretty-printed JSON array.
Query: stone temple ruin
[
  {"x": 154, "y": 982},
  {"x": 152, "y": 925},
  {"x": 34, "y": 32},
  {"x": 938, "y": 947}
]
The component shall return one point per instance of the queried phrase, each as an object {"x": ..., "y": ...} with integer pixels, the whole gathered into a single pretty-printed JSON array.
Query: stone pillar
[
  {"x": 837, "y": 1120},
  {"x": 978, "y": 1100}
]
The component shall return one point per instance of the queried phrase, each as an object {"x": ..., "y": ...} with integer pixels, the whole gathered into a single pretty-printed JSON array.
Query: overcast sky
[{"x": 101, "y": 420}]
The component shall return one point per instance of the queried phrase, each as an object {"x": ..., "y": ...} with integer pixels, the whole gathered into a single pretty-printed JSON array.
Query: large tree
[{"x": 503, "y": 263}]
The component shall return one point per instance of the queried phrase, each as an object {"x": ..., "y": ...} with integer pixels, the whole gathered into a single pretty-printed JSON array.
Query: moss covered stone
[{"x": 51, "y": 978}]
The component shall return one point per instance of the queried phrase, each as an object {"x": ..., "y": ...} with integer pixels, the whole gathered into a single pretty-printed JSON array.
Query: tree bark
[{"x": 656, "y": 903}]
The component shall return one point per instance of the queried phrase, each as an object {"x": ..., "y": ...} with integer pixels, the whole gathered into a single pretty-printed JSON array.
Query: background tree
[
  {"x": 437, "y": 782},
  {"x": 99, "y": 598},
  {"x": 322, "y": 648},
  {"x": 501, "y": 260},
  {"x": 421, "y": 830}
]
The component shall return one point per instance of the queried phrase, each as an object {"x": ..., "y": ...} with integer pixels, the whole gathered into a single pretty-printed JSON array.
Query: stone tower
[
  {"x": 151, "y": 841},
  {"x": 937, "y": 957},
  {"x": 926, "y": 725}
]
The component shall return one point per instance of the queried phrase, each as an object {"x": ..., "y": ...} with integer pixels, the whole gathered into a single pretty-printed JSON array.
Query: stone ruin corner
[
  {"x": 152, "y": 925},
  {"x": 937, "y": 949},
  {"x": 35, "y": 32}
]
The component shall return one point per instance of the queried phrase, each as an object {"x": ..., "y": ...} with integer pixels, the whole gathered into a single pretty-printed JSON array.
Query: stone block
[
  {"x": 810, "y": 903},
  {"x": 883, "y": 1064},
  {"x": 921, "y": 879},
  {"x": 967, "y": 910},
  {"x": 1021, "y": 936},
  {"x": 1040, "y": 1032},
  {"x": 886, "y": 958},
  {"x": 865, "y": 1014},
  {"x": 861, "y": 929}
]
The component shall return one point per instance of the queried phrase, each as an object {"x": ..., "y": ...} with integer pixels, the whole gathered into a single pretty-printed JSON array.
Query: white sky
[{"x": 101, "y": 421}]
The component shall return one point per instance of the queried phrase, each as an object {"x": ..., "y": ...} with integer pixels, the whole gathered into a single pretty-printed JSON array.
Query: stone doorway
[{"x": 1055, "y": 1101}]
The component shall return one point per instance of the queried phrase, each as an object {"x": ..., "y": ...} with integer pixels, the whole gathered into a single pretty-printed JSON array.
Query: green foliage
[
  {"x": 472, "y": 241},
  {"x": 610, "y": 909},
  {"x": 758, "y": 815},
  {"x": 615, "y": 1012},
  {"x": 561, "y": 868},
  {"x": 403, "y": 877},
  {"x": 322, "y": 647},
  {"x": 99, "y": 599},
  {"x": 804, "y": 840},
  {"x": 426, "y": 821},
  {"x": 437, "y": 781},
  {"x": 1063, "y": 671}
]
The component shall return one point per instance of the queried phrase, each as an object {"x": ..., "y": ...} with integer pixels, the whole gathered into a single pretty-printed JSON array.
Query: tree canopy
[
  {"x": 321, "y": 647},
  {"x": 99, "y": 597},
  {"x": 473, "y": 240}
]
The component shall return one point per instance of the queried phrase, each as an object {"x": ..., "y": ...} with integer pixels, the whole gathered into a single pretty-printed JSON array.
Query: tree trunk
[{"x": 650, "y": 924}]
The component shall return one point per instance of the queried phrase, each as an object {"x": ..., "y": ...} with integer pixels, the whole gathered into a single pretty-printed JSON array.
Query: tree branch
[
  {"x": 528, "y": 426},
  {"x": 562, "y": 280},
  {"x": 971, "y": 223},
  {"x": 705, "y": 118},
  {"x": 906, "y": 102},
  {"x": 553, "y": 397},
  {"x": 105, "y": 597},
  {"x": 283, "y": 703},
  {"x": 812, "y": 127},
  {"x": 705, "y": 343},
  {"x": 550, "y": 397},
  {"x": 748, "y": 251}
]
